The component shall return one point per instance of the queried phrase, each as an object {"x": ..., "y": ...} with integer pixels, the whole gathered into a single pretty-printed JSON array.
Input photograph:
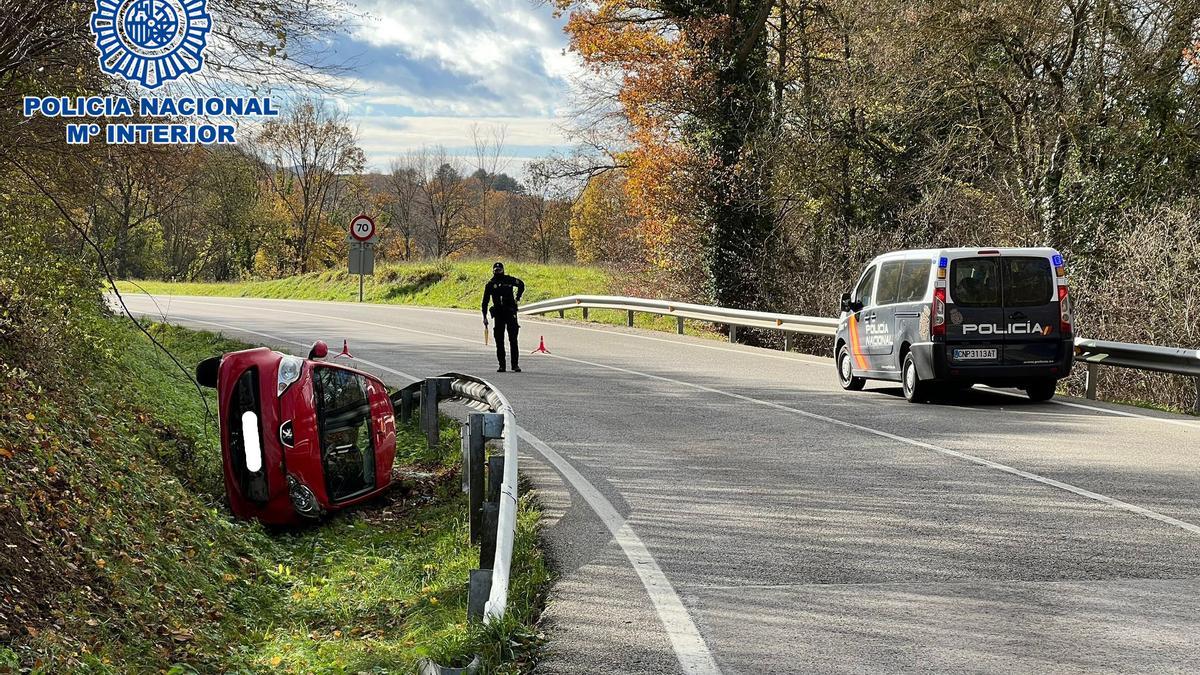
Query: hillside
[
  {"x": 437, "y": 284},
  {"x": 457, "y": 284},
  {"x": 122, "y": 557}
]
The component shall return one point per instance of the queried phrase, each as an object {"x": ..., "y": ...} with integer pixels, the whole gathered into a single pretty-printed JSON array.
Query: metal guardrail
[
  {"x": 734, "y": 318},
  {"x": 492, "y": 510},
  {"x": 1094, "y": 353},
  {"x": 1173, "y": 360}
]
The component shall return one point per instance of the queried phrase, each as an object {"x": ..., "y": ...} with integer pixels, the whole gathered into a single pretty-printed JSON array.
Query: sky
[{"x": 423, "y": 72}]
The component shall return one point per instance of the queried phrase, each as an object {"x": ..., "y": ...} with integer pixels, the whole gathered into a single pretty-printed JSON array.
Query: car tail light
[
  {"x": 937, "y": 316},
  {"x": 1064, "y": 310}
]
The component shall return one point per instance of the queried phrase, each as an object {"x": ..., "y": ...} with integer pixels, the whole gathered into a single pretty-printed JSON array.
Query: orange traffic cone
[
  {"x": 541, "y": 348},
  {"x": 345, "y": 350}
]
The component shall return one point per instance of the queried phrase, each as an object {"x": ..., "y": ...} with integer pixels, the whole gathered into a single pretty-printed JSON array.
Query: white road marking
[
  {"x": 1122, "y": 413},
  {"x": 1116, "y": 503},
  {"x": 795, "y": 358},
  {"x": 690, "y": 648},
  {"x": 226, "y": 326}
]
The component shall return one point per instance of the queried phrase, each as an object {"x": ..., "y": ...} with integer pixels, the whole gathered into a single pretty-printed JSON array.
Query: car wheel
[
  {"x": 845, "y": 368},
  {"x": 916, "y": 390},
  {"x": 1042, "y": 390}
]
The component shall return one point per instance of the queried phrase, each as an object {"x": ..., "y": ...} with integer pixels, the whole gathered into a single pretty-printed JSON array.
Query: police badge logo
[{"x": 151, "y": 42}]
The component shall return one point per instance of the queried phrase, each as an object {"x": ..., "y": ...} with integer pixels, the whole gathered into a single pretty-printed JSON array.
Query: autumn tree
[{"x": 694, "y": 89}]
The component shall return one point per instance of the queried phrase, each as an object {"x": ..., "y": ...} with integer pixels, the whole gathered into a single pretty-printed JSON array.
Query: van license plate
[{"x": 974, "y": 354}]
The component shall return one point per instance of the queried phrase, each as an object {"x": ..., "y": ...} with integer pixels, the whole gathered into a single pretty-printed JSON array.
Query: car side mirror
[
  {"x": 846, "y": 302},
  {"x": 319, "y": 350},
  {"x": 206, "y": 372}
]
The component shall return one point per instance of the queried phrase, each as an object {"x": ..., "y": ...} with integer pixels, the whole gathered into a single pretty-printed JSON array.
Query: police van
[{"x": 935, "y": 319}]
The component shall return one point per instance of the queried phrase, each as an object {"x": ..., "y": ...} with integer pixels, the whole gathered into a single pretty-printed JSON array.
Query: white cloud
[
  {"x": 387, "y": 138},
  {"x": 429, "y": 70}
]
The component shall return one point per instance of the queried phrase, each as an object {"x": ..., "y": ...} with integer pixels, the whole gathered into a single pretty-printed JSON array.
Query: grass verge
[
  {"x": 454, "y": 284},
  {"x": 120, "y": 556}
]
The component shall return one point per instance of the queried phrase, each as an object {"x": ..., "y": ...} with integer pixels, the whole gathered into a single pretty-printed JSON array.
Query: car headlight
[
  {"x": 303, "y": 499},
  {"x": 289, "y": 372}
]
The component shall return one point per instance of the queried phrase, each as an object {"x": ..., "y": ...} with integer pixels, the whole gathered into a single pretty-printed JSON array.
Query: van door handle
[{"x": 1017, "y": 316}]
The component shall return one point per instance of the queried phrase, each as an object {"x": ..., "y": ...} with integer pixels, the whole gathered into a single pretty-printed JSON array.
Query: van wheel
[
  {"x": 845, "y": 368},
  {"x": 916, "y": 390},
  {"x": 1042, "y": 390}
]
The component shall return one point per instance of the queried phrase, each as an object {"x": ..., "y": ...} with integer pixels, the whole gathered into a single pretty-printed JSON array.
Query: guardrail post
[
  {"x": 732, "y": 333},
  {"x": 562, "y": 314},
  {"x": 491, "y": 511},
  {"x": 679, "y": 325},
  {"x": 487, "y": 545},
  {"x": 495, "y": 465},
  {"x": 429, "y": 411},
  {"x": 585, "y": 313},
  {"x": 629, "y": 318},
  {"x": 478, "y": 589},
  {"x": 474, "y": 444},
  {"x": 1093, "y": 378},
  {"x": 1197, "y": 409},
  {"x": 433, "y": 389},
  {"x": 787, "y": 341},
  {"x": 406, "y": 405}
]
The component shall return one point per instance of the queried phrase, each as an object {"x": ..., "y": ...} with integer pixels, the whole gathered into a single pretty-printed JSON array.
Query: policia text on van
[{"x": 956, "y": 317}]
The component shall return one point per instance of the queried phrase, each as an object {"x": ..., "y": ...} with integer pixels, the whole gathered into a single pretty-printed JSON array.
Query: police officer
[{"x": 499, "y": 292}]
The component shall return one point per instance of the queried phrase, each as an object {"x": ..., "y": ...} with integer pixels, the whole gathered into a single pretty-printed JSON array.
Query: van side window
[
  {"x": 863, "y": 293},
  {"x": 975, "y": 282},
  {"x": 914, "y": 281},
  {"x": 889, "y": 282}
]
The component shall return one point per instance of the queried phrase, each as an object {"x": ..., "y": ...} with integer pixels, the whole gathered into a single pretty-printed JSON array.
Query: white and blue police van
[{"x": 937, "y": 319}]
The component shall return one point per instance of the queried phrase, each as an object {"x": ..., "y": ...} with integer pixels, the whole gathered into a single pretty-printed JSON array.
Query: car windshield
[{"x": 344, "y": 420}]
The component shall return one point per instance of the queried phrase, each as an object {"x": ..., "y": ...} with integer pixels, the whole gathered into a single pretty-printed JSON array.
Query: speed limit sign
[{"x": 362, "y": 228}]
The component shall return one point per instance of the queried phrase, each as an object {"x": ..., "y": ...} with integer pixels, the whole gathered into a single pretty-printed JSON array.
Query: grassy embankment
[
  {"x": 121, "y": 557},
  {"x": 431, "y": 284}
]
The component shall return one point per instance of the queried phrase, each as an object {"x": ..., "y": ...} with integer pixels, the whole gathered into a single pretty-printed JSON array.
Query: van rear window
[
  {"x": 996, "y": 282},
  {"x": 1028, "y": 282},
  {"x": 975, "y": 282}
]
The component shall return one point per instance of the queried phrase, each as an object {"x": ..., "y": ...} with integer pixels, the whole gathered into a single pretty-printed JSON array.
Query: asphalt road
[{"x": 716, "y": 508}]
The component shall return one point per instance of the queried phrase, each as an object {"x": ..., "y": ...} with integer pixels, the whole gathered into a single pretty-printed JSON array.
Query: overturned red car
[{"x": 299, "y": 437}]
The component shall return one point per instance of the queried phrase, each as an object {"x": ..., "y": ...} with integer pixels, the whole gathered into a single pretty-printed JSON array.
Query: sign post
[{"x": 362, "y": 238}]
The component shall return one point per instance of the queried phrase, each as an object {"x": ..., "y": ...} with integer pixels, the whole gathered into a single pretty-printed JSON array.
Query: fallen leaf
[{"x": 6, "y": 453}]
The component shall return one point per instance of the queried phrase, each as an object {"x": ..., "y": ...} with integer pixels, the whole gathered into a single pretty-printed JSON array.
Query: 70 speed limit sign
[{"x": 362, "y": 228}]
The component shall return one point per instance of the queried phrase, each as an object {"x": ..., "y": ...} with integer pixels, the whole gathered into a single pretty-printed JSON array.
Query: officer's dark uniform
[{"x": 500, "y": 293}]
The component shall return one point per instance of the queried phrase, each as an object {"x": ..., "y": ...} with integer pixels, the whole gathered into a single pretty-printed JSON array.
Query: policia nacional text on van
[{"x": 943, "y": 318}]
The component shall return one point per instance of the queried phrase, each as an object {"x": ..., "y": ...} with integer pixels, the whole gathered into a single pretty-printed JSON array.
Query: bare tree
[
  {"x": 447, "y": 199},
  {"x": 547, "y": 210},
  {"x": 405, "y": 208},
  {"x": 307, "y": 153}
]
